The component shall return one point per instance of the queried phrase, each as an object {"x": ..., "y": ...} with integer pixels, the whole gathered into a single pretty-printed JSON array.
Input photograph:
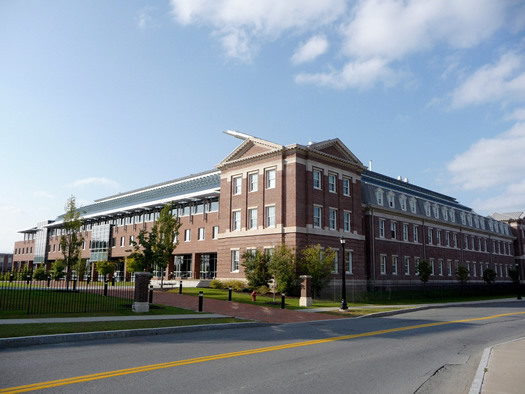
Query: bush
[
  {"x": 57, "y": 270},
  {"x": 237, "y": 285},
  {"x": 262, "y": 290},
  {"x": 40, "y": 274},
  {"x": 216, "y": 284}
]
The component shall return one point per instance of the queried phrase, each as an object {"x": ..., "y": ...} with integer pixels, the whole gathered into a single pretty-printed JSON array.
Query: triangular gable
[
  {"x": 251, "y": 147},
  {"x": 337, "y": 149}
]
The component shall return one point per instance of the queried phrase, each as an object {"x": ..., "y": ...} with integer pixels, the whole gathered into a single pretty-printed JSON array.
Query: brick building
[{"x": 264, "y": 194}]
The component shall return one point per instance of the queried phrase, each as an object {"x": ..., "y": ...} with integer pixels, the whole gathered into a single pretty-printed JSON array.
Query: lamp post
[
  {"x": 343, "y": 307},
  {"x": 518, "y": 269}
]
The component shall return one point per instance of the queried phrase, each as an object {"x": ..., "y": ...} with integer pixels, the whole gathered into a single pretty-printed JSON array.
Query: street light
[
  {"x": 343, "y": 307},
  {"x": 518, "y": 269}
]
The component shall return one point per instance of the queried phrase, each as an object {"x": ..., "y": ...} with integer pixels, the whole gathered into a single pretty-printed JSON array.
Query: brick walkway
[{"x": 239, "y": 310}]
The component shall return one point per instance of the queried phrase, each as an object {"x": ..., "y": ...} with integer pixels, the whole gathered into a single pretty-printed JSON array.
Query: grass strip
[{"x": 24, "y": 330}]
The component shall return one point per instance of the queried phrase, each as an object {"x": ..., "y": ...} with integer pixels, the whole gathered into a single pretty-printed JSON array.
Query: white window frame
[
  {"x": 215, "y": 232},
  {"x": 235, "y": 259},
  {"x": 237, "y": 185},
  {"x": 270, "y": 216},
  {"x": 393, "y": 230},
  {"x": 382, "y": 264},
  {"x": 407, "y": 265},
  {"x": 349, "y": 262},
  {"x": 332, "y": 183},
  {"x": 270, "y": 175},
  {"x": 252, "y": 218},
  {"x": 253, "y": 181},
  {"x": 236, "y": 220},
  {"x": 201, "y": 234},
  {"x": 332, "y": 222},
  {"x": 347, "y": 222},
  {"x": 317, "y": 177},
  {"x": 381, "y": 228},
  {"x": 394, "y": 264},
  {"x": 346, "y": 186},
  {"x": 415, "y": 229},
  {"x": 318, "y": 209},
  {"x": 405, "y": 231}
]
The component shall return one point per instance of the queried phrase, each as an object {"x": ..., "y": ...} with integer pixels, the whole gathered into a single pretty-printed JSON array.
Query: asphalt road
[{"x": 432, "y": 351}]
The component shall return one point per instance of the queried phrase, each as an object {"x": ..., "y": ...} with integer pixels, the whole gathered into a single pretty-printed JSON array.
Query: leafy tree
[
  {"x": 255, "y": 266},
  {"x": 155, "y": 247},
  {"x": 40, "y": 274},
  {"x": 81, "y": 267},
  {"x": 57, "y": 269},
  {"x": 424, "y": 271},
  {"x": 462, "y": 274},
  {"x": 282, "y": 267},
  {"x": 513, "y": 273},
  {"x": 319, "y": 264},
  {"x": 106, "y": 268},
  {"x": 489, "y": 275},
  {"x": 71, "y": 240}
]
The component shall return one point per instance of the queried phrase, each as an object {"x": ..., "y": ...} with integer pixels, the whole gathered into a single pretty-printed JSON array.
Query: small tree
[
  {"x": 57, "y": 269},
  {"x": 489, "y": 275},
  {"x": 81, "y": 267},
  {"x": 40, "y": 274},
  {"x": 424, "y": 271},
  {"x": 72, "y": 239},
  {"x": 255, "y": 266},
  {"x": 319, "y": 264},
  {"x": 462, "y": 274},
  {"x": 105, "y": 268},
  {"x": 154, "y": 248},
  {"x": 282, "y": 267}
]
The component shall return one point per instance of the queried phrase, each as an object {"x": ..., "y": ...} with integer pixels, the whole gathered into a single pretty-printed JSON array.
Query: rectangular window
[
  {"x": 407, "y": 265},
  {"x": 416, "y": 233},
  {"x": 382, "y": 259},
  {"x": 432, "y": 267},
  {"x": 346, "y": 186},
  {"x": 449, "y": 268},
  {"x": 237, "y": 185},
  {"x": 215, "y": 232},
  {"x": 201, "y": 234},
  {"x": 379, "y": 197},
  {"x": 394, "y": 265},
  {"x": 235, "y": 260},
  {"x": 438, "y": 237},
  {"x": 270, "y": 216},
  {"x": 403, "y": 203},
  {"x": 113, "y": 242},
  {"x": 405, "y": 232},
  {"x": 447, "y": 238},
  {"x": 317, "y": 217},
  {"x": 333, "y": 219},
  {"x": 252, "y": 218},
  {"x": 347, "y": 221},
  {"x": 440, "y": 267},
  {"x": 270, "y": 179},
  {"x": 416, "y": 265},
  {"x": 122, "y": 241},
  {"x": 430, "y": 236},
  {"x": 254, "y": 181},
  {"x": 455, "y": 240},
  {"x": 348, "y": 262},
  {"x": 393, "y": 228},
  {"x": 317, "y": 179},
  {"x": 236, "y": 222},
  {"x": 336, "y": 262},
  {"x": 131, "y": 239},
  {"x": 381, "y": 228},
  {"x": 187, "y": 235},
  {"x": 391, "y": 202},
  {"x": 332, "y": 179}
]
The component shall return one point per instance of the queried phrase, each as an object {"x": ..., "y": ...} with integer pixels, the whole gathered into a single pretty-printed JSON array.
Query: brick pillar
[
  {"x": 141, "y": 298},
  {"x": 306, "y": 292}
]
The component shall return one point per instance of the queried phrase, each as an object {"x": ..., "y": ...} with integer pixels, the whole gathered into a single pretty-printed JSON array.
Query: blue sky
[{"x": 102, "y": 97}]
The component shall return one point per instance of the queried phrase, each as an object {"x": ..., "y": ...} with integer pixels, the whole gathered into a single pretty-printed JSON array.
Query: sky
[{"x": 101, "y": 97}]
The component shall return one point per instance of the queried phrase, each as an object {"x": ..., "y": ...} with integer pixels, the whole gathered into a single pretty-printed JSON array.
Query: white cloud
[
  {"x": 93, "y": 181},
  {"x": 240, "y": 25},
  {"x": 361, "y": 74},
  {"x": 144, "y": 17},
  {"x": 503, "y": 81},
  {"x": 42, "y": 194},
  {"x": 491, "y": 162},
  {"x": 511, "y": 200},
  {"x": 310, "y": 50},
  {"x": 518, "y": 114}
]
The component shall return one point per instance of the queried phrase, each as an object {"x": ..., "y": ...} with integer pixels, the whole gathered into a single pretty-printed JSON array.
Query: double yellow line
[{"x": 152, "y": 367}]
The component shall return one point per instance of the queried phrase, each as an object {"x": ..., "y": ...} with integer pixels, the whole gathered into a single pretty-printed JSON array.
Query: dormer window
[
  {"x": 452, "y": 216},
  {"x": 469, "y": 219},
  {"x": 403, "y": 202},
  {"x": 444, "y": 212},
  {"x": 427, "y": 208},
  {"x": 476, "y": 221},
  {"x": 491, "y": 225},
  {"x": 435, "y": 208},
  {"x": 482, "y": 223},
  {"x": 391, "y": 201},
  {"x": 379, "y": 196},
  {"x": 463, "y": 218},
  {"x": 413, "y": 206}
]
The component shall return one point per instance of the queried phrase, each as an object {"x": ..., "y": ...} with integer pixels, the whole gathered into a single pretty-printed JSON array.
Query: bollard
[
  {"x": 201, "y": 297},
  {"x": 229, "y": 293},
  {"x": 151, "y": 294},
  {"x": 74, "y": 284},
  {"x": 180, "y": 287},
  {"x": 283, "y": 297},
  {"x": 48, "y": 280},
  {"x": 89, "y": 279},
  {"x": 28, "y": 279},
  {"x": 105, "y": 288},
  {"x": 11, "y": 278},
  {"x": 113, "y": 281}
]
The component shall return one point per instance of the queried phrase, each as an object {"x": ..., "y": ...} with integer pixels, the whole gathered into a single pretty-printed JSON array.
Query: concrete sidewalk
[{"x": 500, "y": 369}]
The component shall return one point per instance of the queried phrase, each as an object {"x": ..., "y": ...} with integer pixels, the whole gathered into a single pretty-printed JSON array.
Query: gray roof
[
  {"x": 508, "y": 216},
  {"x": 205, "y": 184}
]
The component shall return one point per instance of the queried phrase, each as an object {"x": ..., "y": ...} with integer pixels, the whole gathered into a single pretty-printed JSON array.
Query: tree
[
  {"x": 462, "y": 274},
  {"x": 57, "y": 269},
  {"x": 489, "y": 275},
  {"x": 255, "y": 266},
  {"x": 81, "y": 267},
  {"x": 282, "y": 267},
  {"x": 71, "y": 239},
  {"x": 319, "y": 264},
  {"x": 105, "y": 268},
  {"x": 424, "y": 271},
  {"x": 40, "y": 274},
  {"x": 154, "y": 248}
]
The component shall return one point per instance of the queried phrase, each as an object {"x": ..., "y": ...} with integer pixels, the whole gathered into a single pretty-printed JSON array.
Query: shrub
[
  {"x": 262, "y": 290},
  {"x": 57, "y": 269},
  {"x": 489, "y": 275},
  {"x": 216, "y": 284},
  {"x": 40, "y": 274},
  {"x": 237, "y": 285}
]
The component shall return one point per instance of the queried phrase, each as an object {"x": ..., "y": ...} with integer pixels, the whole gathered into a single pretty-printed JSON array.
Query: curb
[{"x": 88, "y": 336}]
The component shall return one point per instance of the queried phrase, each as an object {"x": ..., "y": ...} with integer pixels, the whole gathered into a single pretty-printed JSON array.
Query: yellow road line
[{"x": 152, "y": 367}]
